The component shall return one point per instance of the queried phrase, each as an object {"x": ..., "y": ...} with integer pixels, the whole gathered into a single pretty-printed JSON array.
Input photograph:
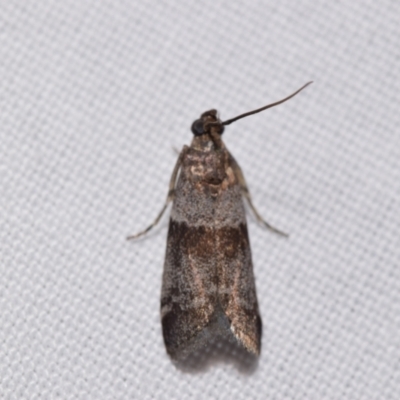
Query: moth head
[{"x": 207, "y": 121}]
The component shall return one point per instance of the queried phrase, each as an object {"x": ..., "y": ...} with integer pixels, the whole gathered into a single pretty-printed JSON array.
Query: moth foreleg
[
  {"x": 245, "y": 192},
  {"x": 170, "y": 197}
]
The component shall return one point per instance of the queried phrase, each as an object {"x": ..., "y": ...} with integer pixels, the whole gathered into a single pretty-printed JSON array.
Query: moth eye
[{"x": 198, "y": 128}]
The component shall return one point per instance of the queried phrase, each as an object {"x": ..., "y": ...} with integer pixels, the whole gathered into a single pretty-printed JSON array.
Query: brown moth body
[
  {"x": 208, "y": 272},
  {"x": 208, "y": 284}
]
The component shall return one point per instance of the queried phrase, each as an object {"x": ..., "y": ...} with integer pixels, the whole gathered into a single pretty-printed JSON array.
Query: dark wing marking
[{"x": 189, "y": 296}]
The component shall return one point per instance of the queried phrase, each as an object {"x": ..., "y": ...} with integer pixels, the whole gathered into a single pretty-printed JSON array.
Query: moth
[{"x": 208, "y": 286}]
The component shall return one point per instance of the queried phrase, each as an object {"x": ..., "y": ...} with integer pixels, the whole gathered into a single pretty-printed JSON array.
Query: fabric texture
[{"x": 97, "y": 96}]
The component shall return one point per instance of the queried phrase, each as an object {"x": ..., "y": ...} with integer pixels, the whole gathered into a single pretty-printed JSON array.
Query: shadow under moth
[{"x": 208, "y": 286}]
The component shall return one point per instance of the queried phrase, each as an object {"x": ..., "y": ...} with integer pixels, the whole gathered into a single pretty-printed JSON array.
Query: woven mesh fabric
[{"x": 96, "y": 95}]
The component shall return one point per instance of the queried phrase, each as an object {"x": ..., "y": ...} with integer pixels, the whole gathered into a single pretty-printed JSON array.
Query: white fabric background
[{"x": 94, "y": 97}]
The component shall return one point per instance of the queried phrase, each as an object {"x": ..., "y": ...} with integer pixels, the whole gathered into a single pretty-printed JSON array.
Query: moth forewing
[{"x": 208, "y": 281}]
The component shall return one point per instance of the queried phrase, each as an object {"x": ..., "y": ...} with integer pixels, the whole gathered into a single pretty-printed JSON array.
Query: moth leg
[
  {"x": 245, "y": 191},
  {"x": 170, "y": 197},
  {"x": 260, "y": 219}
]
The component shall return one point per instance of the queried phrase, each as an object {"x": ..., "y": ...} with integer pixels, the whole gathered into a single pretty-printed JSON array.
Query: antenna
[{"x": 229, "y": 121}]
